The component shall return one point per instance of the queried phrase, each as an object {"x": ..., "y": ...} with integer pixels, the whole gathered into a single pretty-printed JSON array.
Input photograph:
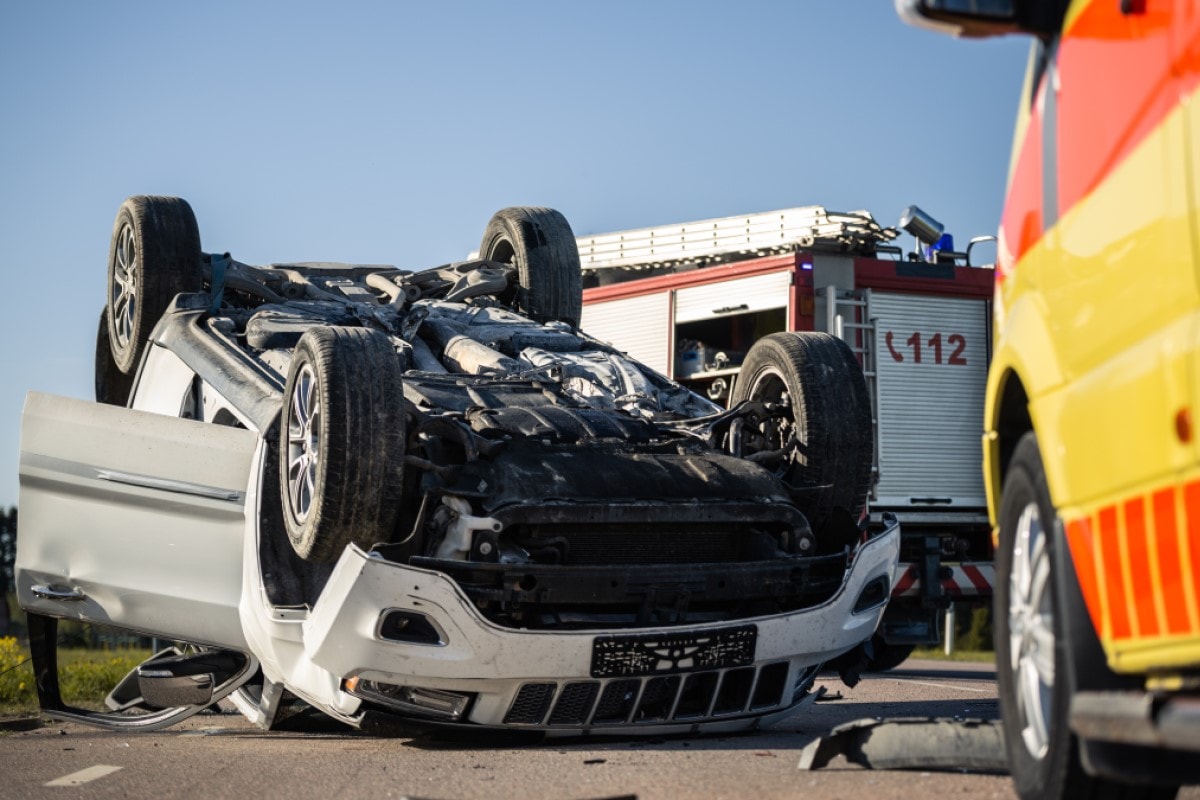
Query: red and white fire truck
[{"x": 689, "y": 300}]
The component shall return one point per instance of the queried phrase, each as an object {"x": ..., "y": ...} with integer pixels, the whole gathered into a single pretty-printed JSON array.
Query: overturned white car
[{"x": 427, "y": 495}]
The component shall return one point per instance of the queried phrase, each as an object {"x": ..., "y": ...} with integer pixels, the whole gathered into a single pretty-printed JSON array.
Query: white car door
[{"x": 133, "y": 519}]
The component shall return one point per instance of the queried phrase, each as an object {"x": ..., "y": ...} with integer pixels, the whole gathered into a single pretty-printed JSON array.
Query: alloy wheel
[
  {"x": 1031, "y": 630},
  {"x": 304, "y": 442},
  {"x": 124, "y": 289}
]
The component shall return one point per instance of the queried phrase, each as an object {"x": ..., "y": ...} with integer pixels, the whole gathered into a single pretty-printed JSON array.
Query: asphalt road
[{"x": 221, "y": 756}]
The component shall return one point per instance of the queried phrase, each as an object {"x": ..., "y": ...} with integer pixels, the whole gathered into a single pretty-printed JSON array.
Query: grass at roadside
[
  {"x": 938, "y": 654},
  {"x": 85, "y": 676}
]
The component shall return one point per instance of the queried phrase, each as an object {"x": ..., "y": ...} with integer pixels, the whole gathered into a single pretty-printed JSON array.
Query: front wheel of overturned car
[
  {"x": 1032, "y": 668},
  {"x": 154, "y": 255},
  {"x": 540, "y": 244},
  {"x": 341, "y": 442},
  {"x": 817, "y": 432}
]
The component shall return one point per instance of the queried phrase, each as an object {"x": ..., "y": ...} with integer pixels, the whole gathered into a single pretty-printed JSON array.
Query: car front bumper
[{"x": 551, "y": 680}]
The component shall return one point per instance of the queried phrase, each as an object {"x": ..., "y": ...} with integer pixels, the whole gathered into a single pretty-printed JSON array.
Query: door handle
[{"x": 65, "y": 594}]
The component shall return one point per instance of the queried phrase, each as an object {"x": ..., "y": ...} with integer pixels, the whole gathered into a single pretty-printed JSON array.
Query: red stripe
[
  {"x": 1118, "y": 86},
  {"x": 1082, "y": 545},
  {"x": 906, "y": 581},
  {"x": 1170, "y": 571},
  {"x": 1191, "y": 505},
  {"x": 1110, "y": 552},
  {"x": 977, "y": 578},
  {"x": 1139, "y": 567}
]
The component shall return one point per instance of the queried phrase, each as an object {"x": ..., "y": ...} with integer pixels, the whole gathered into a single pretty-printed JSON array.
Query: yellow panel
[{"x": 1120, "y": 299}]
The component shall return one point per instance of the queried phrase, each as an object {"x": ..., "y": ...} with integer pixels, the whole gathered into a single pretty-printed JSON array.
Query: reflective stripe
[
  {"x": 1191, "y": 504},
  {"x": 1138, "y": 548},
  {"x": 1138, "y": 567},
  {"x": 1114, "y": 583},
  {"x": 1175, "y": 605},
  {"x": 965, "y": 580}
]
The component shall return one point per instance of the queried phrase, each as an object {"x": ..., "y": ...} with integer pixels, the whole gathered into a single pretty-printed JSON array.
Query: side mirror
[
  {"x": 969, "y": 18},
  {"x": 978, "y": 240}
]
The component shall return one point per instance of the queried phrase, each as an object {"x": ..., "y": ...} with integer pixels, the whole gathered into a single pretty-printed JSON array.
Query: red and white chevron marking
[{"x": 966, "y": 580}]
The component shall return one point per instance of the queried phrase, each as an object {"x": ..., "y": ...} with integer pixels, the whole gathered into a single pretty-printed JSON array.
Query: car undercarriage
[{"x": 459, "y": 507}]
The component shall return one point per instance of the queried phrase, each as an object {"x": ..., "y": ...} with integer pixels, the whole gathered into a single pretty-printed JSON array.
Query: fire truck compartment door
[
  {"x": 740, "y": 296},
  {"x": 641, "y": 326},
  {"x": 932, "y": 359}
]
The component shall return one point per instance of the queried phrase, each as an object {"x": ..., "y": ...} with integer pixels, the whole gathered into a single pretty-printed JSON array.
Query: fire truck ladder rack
[
  {"x": 724, "y": 239},
  {"x": 848, "y": 317}
]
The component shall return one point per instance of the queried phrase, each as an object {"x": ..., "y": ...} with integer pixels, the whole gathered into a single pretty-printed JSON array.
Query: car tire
[
  {"x": 153, "y": 256},
  {"x": 112, "y": 385},
  {"x": 540, "y": 244},
  {"x": 819, "y": 377},
  {"x": 1035, "y": 690},
  {"x": 888, "y": 656},
  {"x": 341, "y": 441}
]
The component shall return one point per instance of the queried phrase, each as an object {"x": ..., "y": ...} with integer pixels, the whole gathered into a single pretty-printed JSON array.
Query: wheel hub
[
  {"x": 1031, "y": 630},
  {"x": 304, "y": 452},
  {"x": 124, "y": 289}
]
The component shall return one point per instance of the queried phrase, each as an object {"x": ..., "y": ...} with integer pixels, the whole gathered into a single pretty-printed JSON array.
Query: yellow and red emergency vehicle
[{"x": 1091, "y": 447}]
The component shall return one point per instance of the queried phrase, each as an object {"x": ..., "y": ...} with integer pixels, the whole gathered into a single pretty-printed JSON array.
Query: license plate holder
[{"x": 637, "y": 654}]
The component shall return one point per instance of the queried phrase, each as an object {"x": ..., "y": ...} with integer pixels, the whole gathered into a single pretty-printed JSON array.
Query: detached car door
[{"x": 133, "y": 519}]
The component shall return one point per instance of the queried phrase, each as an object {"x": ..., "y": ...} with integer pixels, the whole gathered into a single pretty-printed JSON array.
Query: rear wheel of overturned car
[
  {"x": 540, "y": 244},
  {"x": 341, "y": 445},
  {"x": 154, "y": 255},
  {"x": 818, "y": 437},
  {"x": 112, "y": 385}
]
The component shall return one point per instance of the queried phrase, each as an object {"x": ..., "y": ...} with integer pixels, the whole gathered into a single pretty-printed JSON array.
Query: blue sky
[{"x": 389, "y": 132}]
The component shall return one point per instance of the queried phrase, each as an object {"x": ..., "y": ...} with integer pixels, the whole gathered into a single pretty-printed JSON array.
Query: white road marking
[
  {"x": 957, "y": 686},
  {"x": 84, "y": 776}
]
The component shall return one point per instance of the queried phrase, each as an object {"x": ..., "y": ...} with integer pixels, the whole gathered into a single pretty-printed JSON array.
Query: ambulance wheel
[
  {"x": 818, "y": 421},
  {"x": 341, "y": 441},
  {"x": 541, "y": 245},
  {"x": 1032, "y": 668},
  {"x": 153, "y": 256}
]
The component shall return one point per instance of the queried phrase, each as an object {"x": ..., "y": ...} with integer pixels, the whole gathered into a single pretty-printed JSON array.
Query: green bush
[
  {"x": 978, "y": 632},
  {"x": 16, "y": 676}
]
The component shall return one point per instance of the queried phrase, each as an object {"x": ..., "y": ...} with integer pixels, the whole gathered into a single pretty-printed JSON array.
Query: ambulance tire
[
  {"x": 1044, "y": 755},
  {"x": 540, "y": 244},
  {"x": 818, "y": 378},
  {"x": 153, "y": 256}
]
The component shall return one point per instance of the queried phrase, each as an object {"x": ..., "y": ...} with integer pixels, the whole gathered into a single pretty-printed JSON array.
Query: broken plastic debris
[{"x": 919, "y": 744}]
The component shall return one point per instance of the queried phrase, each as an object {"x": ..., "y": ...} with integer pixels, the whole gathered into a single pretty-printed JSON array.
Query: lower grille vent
[
  {"x": 531, "y": 704},
  {"x": 654, "y": 699}
]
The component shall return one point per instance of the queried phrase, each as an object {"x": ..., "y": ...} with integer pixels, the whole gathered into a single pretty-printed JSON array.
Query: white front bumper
[{"x": 340, "y": 639}]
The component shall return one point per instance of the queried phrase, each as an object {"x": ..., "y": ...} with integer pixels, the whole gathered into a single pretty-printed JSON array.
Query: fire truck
[{"x": 689, "y": 300}]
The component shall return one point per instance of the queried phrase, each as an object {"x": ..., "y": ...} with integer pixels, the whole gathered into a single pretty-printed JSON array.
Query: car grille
[{"x": 694, "y": 697}]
